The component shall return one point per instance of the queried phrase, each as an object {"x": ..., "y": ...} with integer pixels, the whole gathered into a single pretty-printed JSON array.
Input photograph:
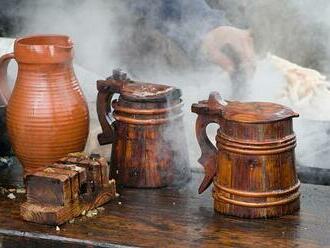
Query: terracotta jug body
[
  {"x": 149, "y": 148},
  {"x": 47, "y": 116},
  {"x": 252, "y": 166}
]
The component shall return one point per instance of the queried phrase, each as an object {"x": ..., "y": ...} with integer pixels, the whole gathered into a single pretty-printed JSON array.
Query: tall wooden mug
[
  {"x": 253, "y": 166},
  {"x": 149, "y": 148}
]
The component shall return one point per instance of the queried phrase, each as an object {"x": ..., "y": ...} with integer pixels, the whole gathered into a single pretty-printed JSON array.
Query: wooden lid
[
  {"x": 249, "y": 112},
  {"x": 137, "y": 91},
  {"x": 148, "y": 92},
  {"x": 256, "y": 112}
]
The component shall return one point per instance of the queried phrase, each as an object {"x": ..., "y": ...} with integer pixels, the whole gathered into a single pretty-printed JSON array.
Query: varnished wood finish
[
  {"x": 57, "y": 215},
  {"x": 173, "y": 218},
  {"x": 51, "y": 188},
  {"x": 253, "y": 170},
  {"x": 257, "y": 112},
  {"x": 149, "y": 145},
  {"x": 65, "y": 189},
  {"x": 47, "y": 116}
]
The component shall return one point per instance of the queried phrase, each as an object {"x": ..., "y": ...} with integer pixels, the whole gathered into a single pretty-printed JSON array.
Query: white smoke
[
  {"x": 296, "y": 30},
  {"x": 96, "y": 28}
]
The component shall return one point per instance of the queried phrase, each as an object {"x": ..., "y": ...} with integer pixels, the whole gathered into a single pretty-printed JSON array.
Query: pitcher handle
[
  {"x": 106, "y": 90},
  {"x": 208, "y": 112},
  {"x": 4, "y": 88}
]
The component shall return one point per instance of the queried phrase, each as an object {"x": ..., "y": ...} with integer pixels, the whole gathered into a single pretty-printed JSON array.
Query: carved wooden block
[
  {"x": 96, "y": 166},
  {"x": 65, "y": 189},
  {"x": 54, "y": 186}
]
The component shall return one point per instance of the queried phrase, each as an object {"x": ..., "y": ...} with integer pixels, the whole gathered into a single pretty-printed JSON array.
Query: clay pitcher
[
  {"x": 47, "y": 116},
  {"x": 149, "y": 147},
  {"x": 253, "y": 164}
]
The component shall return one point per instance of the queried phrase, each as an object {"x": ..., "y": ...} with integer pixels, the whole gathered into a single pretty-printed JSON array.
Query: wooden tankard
[
  {"x": 149, "y": 148},
  {"x": 253, "y": 166}
]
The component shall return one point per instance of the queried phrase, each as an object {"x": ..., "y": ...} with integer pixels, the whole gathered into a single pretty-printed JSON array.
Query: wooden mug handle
[
  {"x": 4, "y": 88},
  {"x": 208, "y": 112},
  {"x": 106, "y": 90}
]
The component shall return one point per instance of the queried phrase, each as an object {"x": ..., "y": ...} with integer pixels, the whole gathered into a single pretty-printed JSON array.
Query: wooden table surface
[{"x": 173, "y": 218}]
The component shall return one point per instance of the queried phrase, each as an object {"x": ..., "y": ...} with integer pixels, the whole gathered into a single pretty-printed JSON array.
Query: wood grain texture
[
  {"x": 62, "y": 191},
  {"x": 171, "y": 217},
  {"x": 49, "y": 188},
  {"x": 253, "y": 168},
  {"x": 47, "y": 116},
  {"x": 257, "y": 112},
  {"x": 144, "y": 155},
  {"x": 149, "y": 145},
  {"x": 57, "y": 215}
]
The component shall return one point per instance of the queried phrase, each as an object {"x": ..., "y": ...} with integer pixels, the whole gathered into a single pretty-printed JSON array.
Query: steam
[
  {"x": 298, "y": 31},
  {"x": 98, "y": 29},
  {"x": 106, "y": 36},
  {"x": 91, "y": 25}
]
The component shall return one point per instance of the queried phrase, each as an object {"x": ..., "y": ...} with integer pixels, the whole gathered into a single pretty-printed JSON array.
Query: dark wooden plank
[{"x": 174, "y": 218}]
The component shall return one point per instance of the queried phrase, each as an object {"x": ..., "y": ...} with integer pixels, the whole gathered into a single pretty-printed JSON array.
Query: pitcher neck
[
  {"x": 46, "y": 68},
  {"x": 45, "y": 49}
]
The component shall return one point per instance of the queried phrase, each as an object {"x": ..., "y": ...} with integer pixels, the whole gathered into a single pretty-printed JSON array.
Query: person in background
[{"x": 197, "y": 29}]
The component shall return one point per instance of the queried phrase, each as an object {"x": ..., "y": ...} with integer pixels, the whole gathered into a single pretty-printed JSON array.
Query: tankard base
[
  {"x": 172, "y": 180},
  {"x": 285, "y": 207}
]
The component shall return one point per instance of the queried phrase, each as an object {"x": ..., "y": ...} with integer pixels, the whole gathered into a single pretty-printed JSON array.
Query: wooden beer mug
[
  {"x": 149, "y": 148},
  {"x": 253, "y": 167}
]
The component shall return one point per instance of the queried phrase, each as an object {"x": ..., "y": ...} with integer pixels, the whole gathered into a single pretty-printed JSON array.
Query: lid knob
[
  {"x": 214, "y": 105},
  {"x": 118, "y": 74},
  {"x": 215, "y": 101}
]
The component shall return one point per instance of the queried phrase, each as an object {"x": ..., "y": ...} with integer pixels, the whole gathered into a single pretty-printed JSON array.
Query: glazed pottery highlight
[
  {"x": 253, "y": 166},
  {"x": 47, "y": 116}
]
